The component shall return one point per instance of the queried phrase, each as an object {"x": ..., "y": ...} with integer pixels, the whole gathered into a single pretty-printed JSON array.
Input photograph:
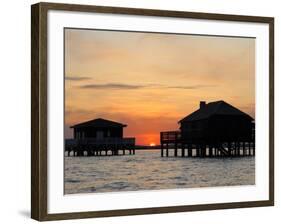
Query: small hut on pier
[
  {"x": 99, "y": 137},
  {"x": 216, "y": 128},
  {"x": 98, "y": 129}
]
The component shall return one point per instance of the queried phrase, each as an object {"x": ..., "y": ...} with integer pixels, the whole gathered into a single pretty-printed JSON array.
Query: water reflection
[{"x": 148, "y": 171}]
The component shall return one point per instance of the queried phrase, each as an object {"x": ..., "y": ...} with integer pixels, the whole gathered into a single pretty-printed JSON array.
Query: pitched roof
[
  {"x": 214, "y": 108},
  {"x": 99, "y": 123}
]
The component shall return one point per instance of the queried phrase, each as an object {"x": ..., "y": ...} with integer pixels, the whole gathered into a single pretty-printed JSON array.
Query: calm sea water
[{"x": 146, "y": 170}]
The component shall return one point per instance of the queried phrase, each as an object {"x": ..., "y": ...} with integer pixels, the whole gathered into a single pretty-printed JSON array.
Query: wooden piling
[
  {"x": 203, "y": 148},
  {"x": 197, "y": 151},
  {"x": 210, "y": 151},
  {"x": 176, "y": 150},
  {"x": 189, "y": 150},
  {"x": 182, "y": 149}
]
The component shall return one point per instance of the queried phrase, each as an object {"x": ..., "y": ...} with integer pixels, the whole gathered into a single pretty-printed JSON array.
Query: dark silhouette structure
[
  {"x": 216, "y": 121},
  {"x": 215, "y": 129},
  {"x": 98, "y": 129},
  {"x": 99, "y": 137}
]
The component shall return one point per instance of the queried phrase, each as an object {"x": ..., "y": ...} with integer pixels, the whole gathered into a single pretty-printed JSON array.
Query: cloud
[
  {"x": 112, "y": 86},
  {"x": 129, "y": 86},
  {"x": 76, "y": 78},
  {"x": 191, "y": 87}
]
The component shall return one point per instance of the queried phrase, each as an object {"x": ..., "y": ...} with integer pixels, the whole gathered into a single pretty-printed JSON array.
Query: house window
[
  {"x": 78, "y": 134},
  {"x": 99, "y": 134}
]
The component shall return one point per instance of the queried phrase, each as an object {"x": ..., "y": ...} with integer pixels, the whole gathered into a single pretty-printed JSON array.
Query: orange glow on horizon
[
  {"x": 148, "y": 139},
  {"x": 152, "y": 144}
]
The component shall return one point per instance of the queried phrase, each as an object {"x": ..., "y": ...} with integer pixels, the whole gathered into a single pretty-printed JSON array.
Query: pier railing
[
  {"x": 104, "y": 141},
  {"x": 172, "y": 140},
  {"x": 170, "y": 136},
  {"x": 99, "y": 147}
]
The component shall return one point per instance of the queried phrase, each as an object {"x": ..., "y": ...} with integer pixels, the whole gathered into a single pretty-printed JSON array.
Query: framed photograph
[{"x": 140, "y": 111}]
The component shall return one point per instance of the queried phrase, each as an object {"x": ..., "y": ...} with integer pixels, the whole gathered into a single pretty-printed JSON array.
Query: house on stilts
[
  {"x": 99, "y": 137},
  {"x": 215, "y": 129}
]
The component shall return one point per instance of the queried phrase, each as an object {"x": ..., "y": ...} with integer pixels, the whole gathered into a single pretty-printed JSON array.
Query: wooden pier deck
[
  {"x": 173, "y": 144},
  {"x": 100, "y": 147}
]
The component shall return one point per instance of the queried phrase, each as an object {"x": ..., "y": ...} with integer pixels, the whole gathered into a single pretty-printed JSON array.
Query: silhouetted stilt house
[
  {"x": 215, "y": 129},
  {"x": 99, "y": 137}
]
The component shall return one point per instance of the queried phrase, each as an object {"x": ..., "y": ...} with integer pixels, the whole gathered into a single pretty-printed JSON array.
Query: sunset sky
[{"x": 150, "y": 81}]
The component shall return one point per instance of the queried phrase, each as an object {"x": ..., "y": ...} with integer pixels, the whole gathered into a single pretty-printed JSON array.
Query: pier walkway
[
  {"x": 100, "y": 147},
  {"x": 173, "y": 144}
]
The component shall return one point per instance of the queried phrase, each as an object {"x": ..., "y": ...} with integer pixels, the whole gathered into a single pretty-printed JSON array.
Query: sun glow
[{"x": 152, "y": 144}]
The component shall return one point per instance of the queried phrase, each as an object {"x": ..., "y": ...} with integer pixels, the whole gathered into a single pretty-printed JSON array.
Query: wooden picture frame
[{"x": 39, "y": 109}]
